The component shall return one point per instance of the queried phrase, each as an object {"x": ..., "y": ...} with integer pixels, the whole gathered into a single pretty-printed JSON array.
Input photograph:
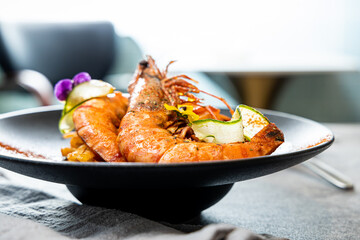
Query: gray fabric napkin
[{"x": 28, "y": 213}]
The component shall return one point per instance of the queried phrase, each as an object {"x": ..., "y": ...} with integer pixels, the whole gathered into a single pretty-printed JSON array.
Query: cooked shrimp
[
  {"x": 145, "y": 134},
  {"x": 97, "y": 122}
]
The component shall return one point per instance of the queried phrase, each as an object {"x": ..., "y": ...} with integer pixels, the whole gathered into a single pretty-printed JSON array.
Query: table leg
[{"x": 258, "y": 91}]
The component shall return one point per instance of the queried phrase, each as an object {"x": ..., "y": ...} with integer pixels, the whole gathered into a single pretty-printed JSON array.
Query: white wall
[{"x": 204, "y": 30}]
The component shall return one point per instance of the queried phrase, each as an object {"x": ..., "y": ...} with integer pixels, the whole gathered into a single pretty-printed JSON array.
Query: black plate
[{"x": 154, "y": 190}]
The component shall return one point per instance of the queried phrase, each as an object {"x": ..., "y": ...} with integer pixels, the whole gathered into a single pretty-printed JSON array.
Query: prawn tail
[{"x": 263, "y": 143}]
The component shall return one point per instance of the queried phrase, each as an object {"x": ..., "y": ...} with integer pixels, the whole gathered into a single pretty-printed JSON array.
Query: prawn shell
[
  {"x": 263, "y": 143},
  {"x": 141, "y": 137},
  {"x": 97, "y": 121}
]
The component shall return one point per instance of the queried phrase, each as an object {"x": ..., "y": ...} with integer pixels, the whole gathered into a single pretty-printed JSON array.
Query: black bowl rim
[{"x": 246, "y": 161}]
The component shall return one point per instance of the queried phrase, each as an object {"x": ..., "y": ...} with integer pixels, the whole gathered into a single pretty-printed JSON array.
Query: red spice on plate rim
[
  {"x": 17, "y": 151},
  {"x": 323, "y": 140}
]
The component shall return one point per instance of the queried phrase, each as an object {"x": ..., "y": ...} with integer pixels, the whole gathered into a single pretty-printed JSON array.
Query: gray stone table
[
  {"x": 293, "y": 203},
  {"x": 297, "y": 204}
]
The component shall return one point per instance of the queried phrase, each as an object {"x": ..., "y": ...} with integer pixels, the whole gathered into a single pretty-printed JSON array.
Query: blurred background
[{"x": 300, "y": 57}]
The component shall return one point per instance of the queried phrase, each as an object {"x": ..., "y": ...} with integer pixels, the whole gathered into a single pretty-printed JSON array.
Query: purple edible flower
[
  {"x": 81, "y": 77},
  {"x": 63, "y": 88}
]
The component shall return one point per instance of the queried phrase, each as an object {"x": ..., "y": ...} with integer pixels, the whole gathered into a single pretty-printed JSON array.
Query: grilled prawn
[
  {"x": 147, "y": 132},
  {"x": 97, "y": 122}
]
